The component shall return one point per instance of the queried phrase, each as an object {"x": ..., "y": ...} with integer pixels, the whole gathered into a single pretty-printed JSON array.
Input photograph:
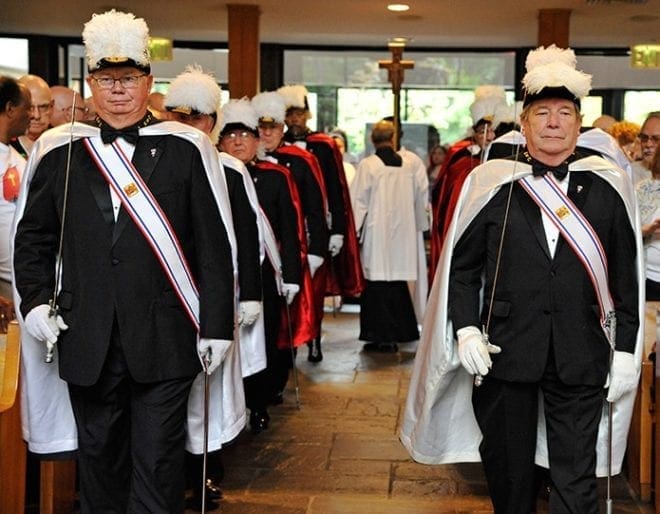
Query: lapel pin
[
  {"x": 579, "y": 189},
  {"x": 153, "y": 152}
]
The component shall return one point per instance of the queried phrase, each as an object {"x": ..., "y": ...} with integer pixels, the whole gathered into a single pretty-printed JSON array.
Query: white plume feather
[
  {"x": 557, "y": 74},
  {"x": 552, "y": 54},
  {"x": 270, "y": 105},
  {"x": 239, "y": 111},
  {"x": 487, "y": 98},
  {"x": 194, "y": 89},
  {"x": 116, "y": 34},
  {"x": 294, "y": 95}
]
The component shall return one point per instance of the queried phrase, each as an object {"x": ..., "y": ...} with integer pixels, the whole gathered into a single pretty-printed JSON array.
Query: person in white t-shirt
[{"x": 15, "y": 102}]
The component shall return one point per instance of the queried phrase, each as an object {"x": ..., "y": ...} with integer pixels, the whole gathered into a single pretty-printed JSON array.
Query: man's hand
[
  {"x": 315, "y": 262},
  {"x": 248, "y": 312},
  {"x": 474, "y": 354},
  {"x": 623, "y": 376},
  {"x": 212, "y": 351},
  {"x": 44, "y": 327},
  {"x": 6, "y": 313},
  {"x": 289, "y": 291},
  {"x": 335, "y": 244}
]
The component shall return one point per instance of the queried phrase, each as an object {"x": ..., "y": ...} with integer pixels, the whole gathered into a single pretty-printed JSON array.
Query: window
[
  {"x": 353, "y": 92},
  {"x": 13, "y": 57}
]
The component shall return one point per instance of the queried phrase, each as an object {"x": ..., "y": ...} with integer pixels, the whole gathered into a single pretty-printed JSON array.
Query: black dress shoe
[
  {"x": 195, "y": 503},
  {"x": 381, "y": 347},
  {"x": 315, "y": 354},
  {"x": 259, "y": 421},
  {"x": 213, "y": 491}
]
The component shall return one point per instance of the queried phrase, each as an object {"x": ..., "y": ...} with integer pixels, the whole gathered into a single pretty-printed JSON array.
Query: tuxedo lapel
[
  {"x": 145, "y": 158},
  {"x": 101, "y": 192},
  {"x": 532, "y": 214}
]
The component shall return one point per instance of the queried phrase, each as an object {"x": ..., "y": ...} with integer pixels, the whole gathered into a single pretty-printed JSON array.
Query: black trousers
[
  {"x": 387, "y": 314},
  {"x": 260, "y": 387},
  {"x": 507, "y": 415},
  {"x": 131, "y": 441}
]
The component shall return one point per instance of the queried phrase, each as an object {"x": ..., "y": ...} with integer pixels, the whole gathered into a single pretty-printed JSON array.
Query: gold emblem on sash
[
  {"x": 131, "y": 189},
  {"x": 562, "y": 212}
]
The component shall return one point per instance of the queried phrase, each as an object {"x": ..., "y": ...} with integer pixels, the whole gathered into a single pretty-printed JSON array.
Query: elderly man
[
  {"x": 278, "y": 198},
  {"x": 40, "y": 111},
  {"x": 67, "y": 105},
  {"x": 146, "y": 289},
  {"x": 193, "y": 98},
  {"x": 391, "y": 191},
  {"x": 307, "y": 174},
  {"x": 541, "y": 260},
  {"x": 346, "y": 279}
]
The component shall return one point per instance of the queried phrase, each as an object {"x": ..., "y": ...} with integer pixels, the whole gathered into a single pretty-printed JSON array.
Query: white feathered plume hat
[
  {"x": 195, "y": 92},
  {"x": 239, "y": 115},
  {"x": 486, "y": 100},
  {"x": 551, "y": 73},
  {"x": 270, "y": 107},
  {"x": 295, "y": 96},
  {"x": 116, "y": 38}
]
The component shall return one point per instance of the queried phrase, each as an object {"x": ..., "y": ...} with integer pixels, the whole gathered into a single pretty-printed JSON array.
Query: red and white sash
[
  {"x": 145, "y": 212},
  {"x": 580, "y": 236}
]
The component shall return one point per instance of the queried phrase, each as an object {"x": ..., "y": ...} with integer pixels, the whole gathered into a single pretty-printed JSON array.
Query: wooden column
[
  {"x": 58, "y": 487},
  {"x": 243, "y": 30},
  {"x": 554, "y": 27}
]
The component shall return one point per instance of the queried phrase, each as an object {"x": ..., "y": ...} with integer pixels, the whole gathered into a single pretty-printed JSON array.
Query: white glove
[
  {"x": 213, "y": 352},
  {"x": 248, "y": 312},
  {"x": 474, "y": 354},
  {"x": 289, "y": 291},
  {"x": 314, "y": 263},
  {"x": 43, "y": 326},
  {"x": 335, "y": 244},
  {"x": 623, "y": 376}
]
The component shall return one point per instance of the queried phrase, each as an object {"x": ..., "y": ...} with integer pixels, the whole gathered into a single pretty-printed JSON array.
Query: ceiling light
[{"x": 398, "y": 7}]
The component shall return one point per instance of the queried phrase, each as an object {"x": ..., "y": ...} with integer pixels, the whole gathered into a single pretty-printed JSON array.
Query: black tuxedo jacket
[
  {"x": 325, "y": 155},
  {"x": 544, "y": 303},
  {"x": 311, "y": 198},
  {"x": 247, "y": 237},
  {"x": 110, "y": 273},
  {"x": 275, "y": 200}
]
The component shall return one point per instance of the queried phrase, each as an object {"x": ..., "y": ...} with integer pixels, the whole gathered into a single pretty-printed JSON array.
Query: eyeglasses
[
  {"x": 41, "y": 108},
  {"x": 235, "y": 136},
  {"x": 644, "y": 138},
  {"x": 127, "y": 82},
  {"x": 77, "y": 108}
]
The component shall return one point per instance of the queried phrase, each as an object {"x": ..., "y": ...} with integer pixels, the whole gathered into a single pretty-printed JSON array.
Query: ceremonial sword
[{"x": 52, "y": 304}]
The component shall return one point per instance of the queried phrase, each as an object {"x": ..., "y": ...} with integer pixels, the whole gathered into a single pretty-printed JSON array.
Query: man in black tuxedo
[
  {"x": 126, "y": 345},
  {"x": 540, "y": 309}
]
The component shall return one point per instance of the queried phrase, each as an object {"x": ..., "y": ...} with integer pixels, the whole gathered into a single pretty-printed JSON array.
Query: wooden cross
[{"x": 395, "y": 73}]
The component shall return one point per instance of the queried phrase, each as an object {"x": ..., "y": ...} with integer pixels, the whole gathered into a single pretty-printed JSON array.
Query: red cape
[
  {"x": 344, "y": 271},
  {"x": 457, "y": 166},
  {"x": 304, "y": 325}
]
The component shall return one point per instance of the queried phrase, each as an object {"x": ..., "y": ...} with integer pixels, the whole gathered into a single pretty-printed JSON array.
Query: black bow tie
[
  {"x": 539, "y": 169},
  {"x": 109, "y": 134}
]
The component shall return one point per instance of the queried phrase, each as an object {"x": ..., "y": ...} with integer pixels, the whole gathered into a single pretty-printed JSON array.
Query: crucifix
[{"x": 395, "y": 70}]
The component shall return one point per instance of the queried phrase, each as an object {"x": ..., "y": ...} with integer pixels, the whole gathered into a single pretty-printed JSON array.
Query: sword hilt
[
  {"x": 479, "y": 379},
  {"x": 50, "y": 347}
]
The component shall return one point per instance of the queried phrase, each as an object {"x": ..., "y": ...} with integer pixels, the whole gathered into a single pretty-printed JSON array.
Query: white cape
[
  {"x": 47, "y": 419},
  {"x": 438, "y": 425}
]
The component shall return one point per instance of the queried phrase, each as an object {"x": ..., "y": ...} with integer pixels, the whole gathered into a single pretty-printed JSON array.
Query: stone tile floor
[{"x": 340, "y": 454}]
